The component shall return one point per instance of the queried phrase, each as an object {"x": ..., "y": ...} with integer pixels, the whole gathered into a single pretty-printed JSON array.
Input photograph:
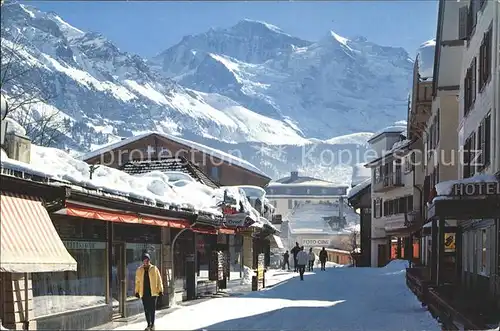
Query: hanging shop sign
[
  {"x": 449, "y": 242},
  {"x": 475, "y": 189}
]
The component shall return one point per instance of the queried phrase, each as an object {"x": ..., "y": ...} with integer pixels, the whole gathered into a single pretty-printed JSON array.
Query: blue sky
[{"x": 147, "y": 27}]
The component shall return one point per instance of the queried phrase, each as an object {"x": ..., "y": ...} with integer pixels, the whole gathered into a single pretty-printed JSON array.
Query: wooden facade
[{"x": 156, "y": 147}]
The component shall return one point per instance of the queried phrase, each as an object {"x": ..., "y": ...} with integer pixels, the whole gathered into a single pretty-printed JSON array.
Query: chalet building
[
  {"x": 359, "y": 198},
  {"x": 221, "y": 167},
  {"x": 459, "y": 271}
]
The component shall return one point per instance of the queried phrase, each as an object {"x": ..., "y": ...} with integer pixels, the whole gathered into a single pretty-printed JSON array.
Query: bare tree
[
  {"x": 350, "y": 243},
  {"x": 21, "y": 83}
]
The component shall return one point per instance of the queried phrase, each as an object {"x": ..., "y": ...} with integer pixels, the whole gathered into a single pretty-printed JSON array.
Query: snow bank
[
  {"x": 248, "y": 273},
  {"x": 396, "y": 265},
  {"x": 445, "y": 188},
  {"x": 152, "y": 187}
]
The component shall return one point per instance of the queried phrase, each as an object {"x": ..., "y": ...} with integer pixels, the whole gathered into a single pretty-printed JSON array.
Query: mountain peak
[
  {"x": 255, "y": 24},
  {"x": 339, "y": 38}
]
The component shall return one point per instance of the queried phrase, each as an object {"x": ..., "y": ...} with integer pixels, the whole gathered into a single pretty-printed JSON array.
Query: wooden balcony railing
[{"x": 389, "y": 181}]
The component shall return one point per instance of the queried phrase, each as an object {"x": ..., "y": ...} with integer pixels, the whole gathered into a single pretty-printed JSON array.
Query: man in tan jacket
[{"x": 148, "y": 286}]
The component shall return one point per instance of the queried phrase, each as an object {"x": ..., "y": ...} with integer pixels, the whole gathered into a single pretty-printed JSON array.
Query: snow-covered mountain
[
  {"x": 249, "y": 87},
  {"x": 325, "y": 88}
]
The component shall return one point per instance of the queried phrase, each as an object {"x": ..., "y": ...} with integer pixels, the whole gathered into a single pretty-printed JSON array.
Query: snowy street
[{"x": 336, "y": 299}]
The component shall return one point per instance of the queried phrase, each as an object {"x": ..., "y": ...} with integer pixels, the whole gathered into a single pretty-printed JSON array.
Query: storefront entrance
[{"x": 118, "y": 279}]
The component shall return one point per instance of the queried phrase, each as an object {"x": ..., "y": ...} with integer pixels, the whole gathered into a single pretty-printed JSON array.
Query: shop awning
[
  {"x": 278, "y": 241},
  {"x": 83, "y": 211},
  {"x": 29, "y": 240}
]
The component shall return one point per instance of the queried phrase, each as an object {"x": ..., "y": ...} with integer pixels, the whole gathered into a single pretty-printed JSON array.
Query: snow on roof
[
  {"x": 13, "y": 127},
  {"x": 150, "y": 187},
  {"x": 400, "y": 144},
  {"x": 445, "y": 188},
  {"x": 425, "y": 58},
  {"x": 358, "y": 188},
  {"x": 226, "y": 157},
  {"x": 398, "y": 127}
]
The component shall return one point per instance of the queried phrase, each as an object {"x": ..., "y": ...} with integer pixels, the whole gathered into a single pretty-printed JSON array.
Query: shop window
[
  {"x": 133, "y": 260},
  {"x": 56, "y": 292}
]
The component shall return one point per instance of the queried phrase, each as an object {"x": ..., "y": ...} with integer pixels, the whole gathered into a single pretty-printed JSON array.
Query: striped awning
[{"x": 28, "y": 240}]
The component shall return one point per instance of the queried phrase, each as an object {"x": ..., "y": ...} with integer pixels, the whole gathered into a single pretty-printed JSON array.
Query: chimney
[
  {"x": 294, "y": 175},
  {"x": 14, "y": 141}
]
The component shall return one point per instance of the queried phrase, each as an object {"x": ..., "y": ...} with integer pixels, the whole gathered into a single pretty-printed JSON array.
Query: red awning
[
  {"x": 77, "y": 210},
  {"x": 227, "y": 231}
]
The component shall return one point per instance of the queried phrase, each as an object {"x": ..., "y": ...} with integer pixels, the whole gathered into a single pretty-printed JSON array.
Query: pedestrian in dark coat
[
  {"x": 323, "y": 256},
  {"x": 286, "y": 262},
  {"x": 294, "y": 252}
]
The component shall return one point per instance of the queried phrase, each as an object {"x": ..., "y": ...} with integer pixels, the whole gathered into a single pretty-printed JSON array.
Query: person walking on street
[
  {"x": 312, "y": 257},
  {"x": 294, "y": 252},
  {"x": 323, "y": 256},
  {"x": 302, "y": 261},
  {"x": 148, "y": 287},
  {"x": 286, "y": 262}
]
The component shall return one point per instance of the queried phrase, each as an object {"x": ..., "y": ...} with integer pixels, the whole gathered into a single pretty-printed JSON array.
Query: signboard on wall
[
  {"x": 73, "y": 244},
  {"x": 476, "y": 188},
  {"x": 449, "y": 242},
  {"x": 315, "y": 242}
]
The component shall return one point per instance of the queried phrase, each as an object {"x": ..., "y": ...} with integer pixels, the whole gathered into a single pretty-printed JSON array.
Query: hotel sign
[{"x": 475, "y": 189}]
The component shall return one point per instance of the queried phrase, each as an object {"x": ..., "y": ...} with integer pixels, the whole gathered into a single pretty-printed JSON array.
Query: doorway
[
  {"x": 118, "y": 279},
  {"x": 382, "y": 255}
]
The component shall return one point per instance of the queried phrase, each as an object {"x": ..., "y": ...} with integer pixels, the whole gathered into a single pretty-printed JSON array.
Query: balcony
[{"x": 388, "y": 182}]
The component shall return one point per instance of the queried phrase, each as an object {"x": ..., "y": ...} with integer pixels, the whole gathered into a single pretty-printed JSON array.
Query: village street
[{"x": 335, "y": 299}]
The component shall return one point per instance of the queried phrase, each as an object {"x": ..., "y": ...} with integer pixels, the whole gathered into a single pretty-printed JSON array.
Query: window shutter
[
  {"x": 462, "y": 22},
  {"x": 473, "y": 80},
  {"x": 466, "y": 158},
  {"x": 473, "y": 154},
  {"x": 487, "y": 140},
  {"x": 488, "y": 51},
  {"x": 480, "y": 139}
]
